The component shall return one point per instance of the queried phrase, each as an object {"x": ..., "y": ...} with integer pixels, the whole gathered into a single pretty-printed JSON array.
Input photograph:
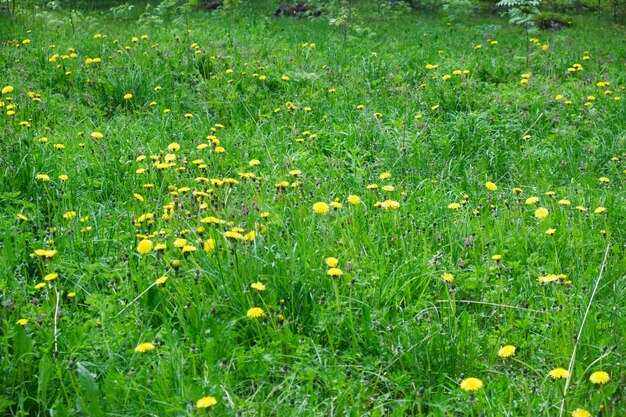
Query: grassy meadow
[{"x": 233, "y": 214}]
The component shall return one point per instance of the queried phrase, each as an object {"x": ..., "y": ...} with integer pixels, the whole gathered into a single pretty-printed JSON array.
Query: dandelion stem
[
  {"x": 56, "y": 315},
  {"x": 580, "y": 331}
]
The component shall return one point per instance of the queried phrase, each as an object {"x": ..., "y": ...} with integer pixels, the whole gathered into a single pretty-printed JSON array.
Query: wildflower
[
  {"x": 471, "y": 384},
  {"x": 332, "y": 262},
  {"x": 506, "y": 351},
  {"x": 599, "y": 377},
  {"x": 97, "y": 135},
  {"x": 144, "y": 347},
  {"x": 138, "y": 197},
  {"x": 22, "y": 322},
  {"x": 161, "y": 281},
  {"x": 173, "y": 147},
  {"x": 40, "y": 285},
  {"x": 491, "y": 186},
  {"x": 454, "y": 206},
  {"x": 69, "y": 215},
  {"x": 51, "y": 276},
  {"x": 354, "y": 200},
  {"x": 188, "y": 249},
  {"x": 550, "y": 231},
  {"x": 43, "y": 253},
  {"x": 206, "y": 402},
  {"x": 559, "y": 373},
  {"x": 532, "y": 200},
  {"x": 42, "y": 177},
  {"x": 334, "y": 272},
  {"x": 255, "y": 312},
  {"x": 321, "y": 208},
  {"x": 63, "y": 177},
  {"x": 144, "y": 246},
  {"x": 7, "y": 90},
  {"x": 581, "y": 412},
  {"x": 599, "y": 210},
  {"x": 259, "y": 286},
  {"x": 21, "y": 217},
  {"x": 541, "y": 213},
  {"x": 565, "y": 202},
  {"x": 128, "y": 96},
  {"x": 448, "y": 277},
  {"x": 390, "y": 205},
  {"x": 209, "y": 245}
]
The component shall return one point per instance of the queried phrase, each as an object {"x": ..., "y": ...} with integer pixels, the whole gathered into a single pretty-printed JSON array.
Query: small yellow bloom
[
  {"x": 541, "y": 213},
  {"x": 22, "y": 322},
  {"x": 581, "y": 412},
  {"x": 144, "y": 247},
  {"x": 491, "y": 186},
  {"x": 471, "y": 384},
  {"x": 559, "y": 373},
  {"x": 40, "y": 285},
  {"x": 206, "y": 402},
  {"x": 51, "y": 277},
  {"x": 259, "y": 286},
  {"x": 255, "y": 312},
  {"x": 128, "y": 96},
  {"x": 144, "y": 347},
  {"x": 332, "y": 262},
  {"x": 334, "y": 272},
  {"x": 321, "y": 208},
  {"x": 161, "y": 281},
  {"x": 506, "y": 351},
  {"x": 448, "y": 277},
  {"x": 599, "y": 377},
  {"x": 354, "y": 200}
]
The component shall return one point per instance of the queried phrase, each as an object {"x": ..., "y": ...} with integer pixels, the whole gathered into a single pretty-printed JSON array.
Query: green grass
[{"x": 389, "y": 337}]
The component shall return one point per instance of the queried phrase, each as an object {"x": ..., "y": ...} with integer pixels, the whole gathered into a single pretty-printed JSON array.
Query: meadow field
[{"x": 375, "y": 212}]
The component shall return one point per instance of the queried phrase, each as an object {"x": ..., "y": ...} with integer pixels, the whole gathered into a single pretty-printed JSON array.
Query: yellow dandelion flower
[
  {"x": 255, "y": 312},
  {"x": 471, "y": 384},
  {"x": 332, "y": 262},
  {"x": 46, "y": 253},
  {"x": 128, "y": 96},
  {"x": 559, "y": 373},
  {"x": 599, "y": 210},
  {"x": 259, "y": 286},
  {"x": 144, "y": 246},
  {"x": 491, "y": 186},
  {"x": 144, "y": 347},
  {"x": 506, "y": 351},
  {"x": 448, "y": 277},
  {"x": 51, "y": 276},
  {"x": 532, "y": 200},
  {"x": 40, "y": 285},
  {"x": 22, "y": 322},
  {"x": 354, "y": 200},
  {"x": 599, "y": 377},
  {"x": 334, "y": 272},
  {"x": 206, "y": 402},
  {"x": 321, "y": 208},
  {"x": 581, "y": 412},
  {"x": 541, "y": 213},
  {"x": 161, "y": 280}
]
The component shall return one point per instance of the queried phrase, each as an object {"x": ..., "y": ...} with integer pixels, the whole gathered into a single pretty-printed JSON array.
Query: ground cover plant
[{"x": 369, "y": 213}]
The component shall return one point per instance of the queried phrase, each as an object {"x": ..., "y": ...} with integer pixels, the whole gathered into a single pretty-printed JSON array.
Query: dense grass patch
[{"x": 296, "y": 218}]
